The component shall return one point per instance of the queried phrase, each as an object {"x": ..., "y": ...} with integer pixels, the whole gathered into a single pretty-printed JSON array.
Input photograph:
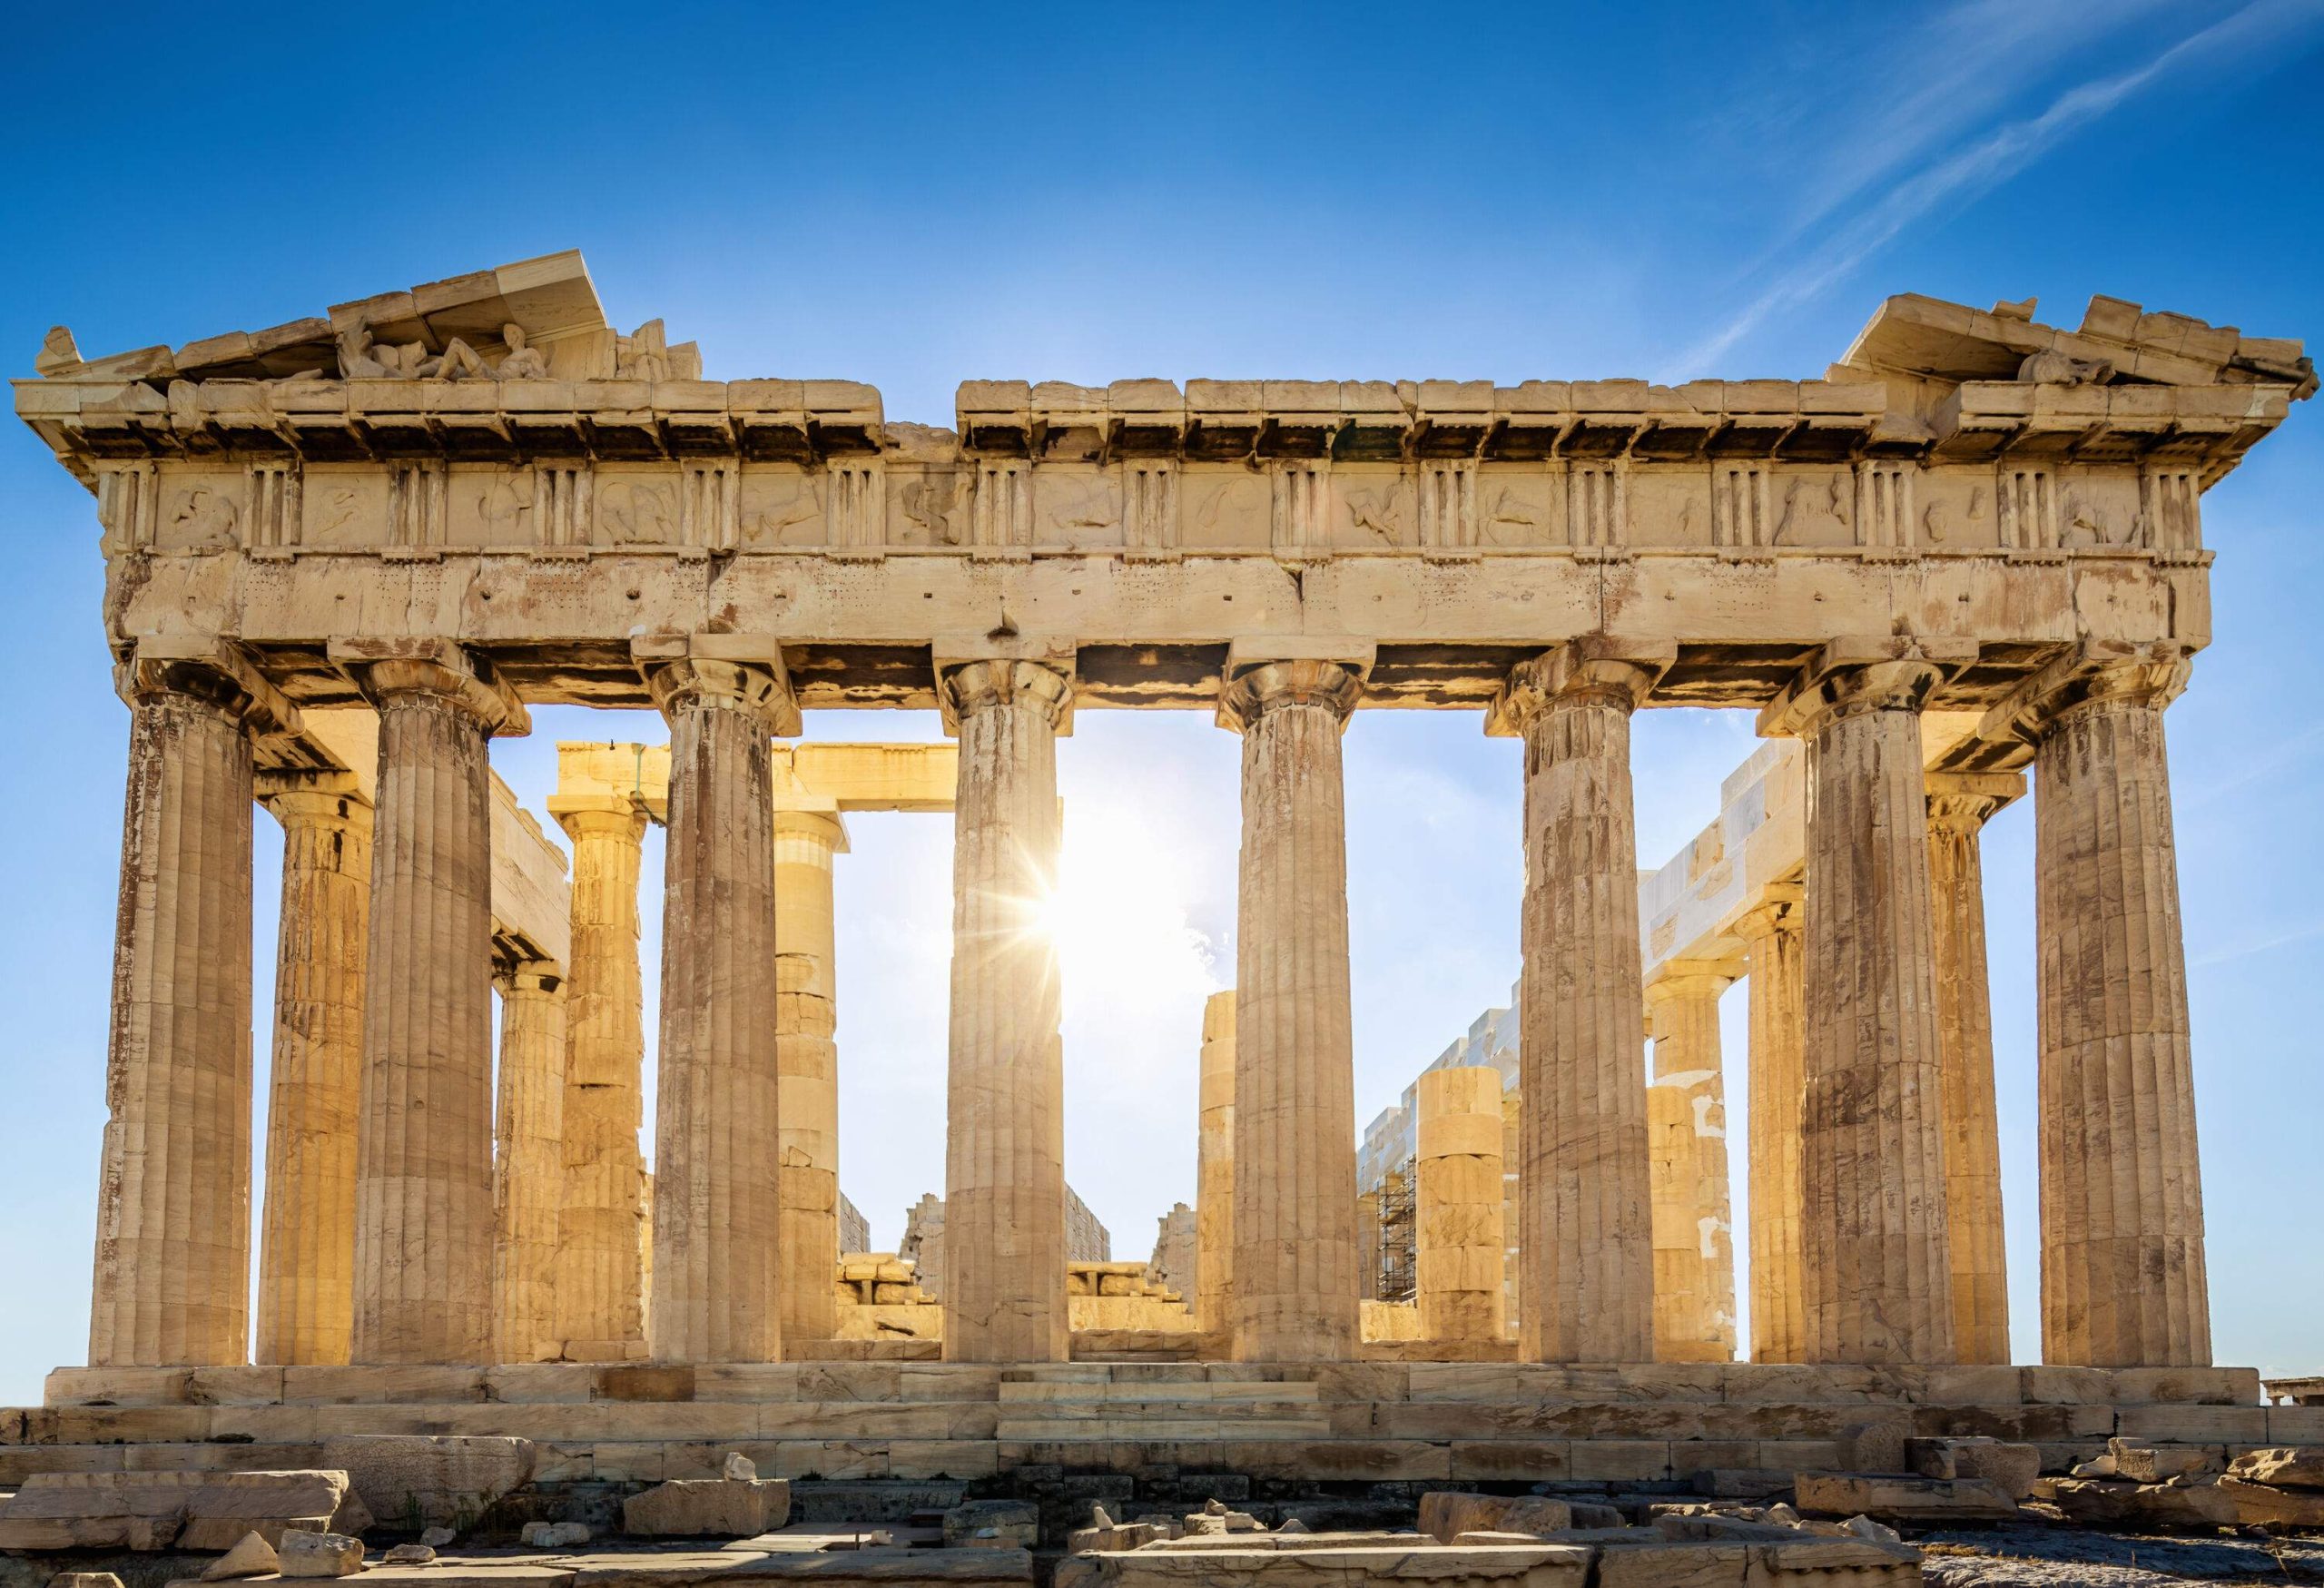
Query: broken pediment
[{"x": 537, "y": 319}]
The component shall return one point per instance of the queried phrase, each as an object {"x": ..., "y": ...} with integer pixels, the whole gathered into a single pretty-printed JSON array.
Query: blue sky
[{"x": 916, "y": 197}]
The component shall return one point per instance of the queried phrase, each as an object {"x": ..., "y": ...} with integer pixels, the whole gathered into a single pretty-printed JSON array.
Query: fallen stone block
[
  {"x": 84, "y": 1580},
  {"x": 321, "y": 1554},
  {"x": 1876, "y": 1443},
  {"x": 2144, "y": 1464},
  {"x": 708, "y": 1508},
  {"x": 438, "y": 1538},
  {"x": 164, "y": 1510},
  {"x": 1127, "y": 1536},
  {"x": 2013, "y": 1466},
  {"x": 2283, "y": 1467},
  {"x": 1317, "y": 1565},
  {"x": 412, "y": 1554},
  {"x": 252, "y": 1557},
  {"x": 1005, "y": 1523},
  {"x": 1445, "y": 1514},
  {"x": 420, "y": 1480},
  {"x": 1910, "y": 1500},
  {"x": 551, "y": 1535},
  {"x": 2261, "y": 1505},
  {"x": 739, "y": 1468},
  {"x": 2179, "y": 1503}
]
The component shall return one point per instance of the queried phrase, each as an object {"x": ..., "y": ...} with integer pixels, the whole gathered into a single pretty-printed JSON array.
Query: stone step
[
  {"x": 1188, "y": 1390},
  {"x": 1731, "y": 1383}
]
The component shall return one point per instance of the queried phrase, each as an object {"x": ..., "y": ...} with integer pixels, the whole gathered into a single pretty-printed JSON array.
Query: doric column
[
  {"x": 1457, "y": 1205},
  {"x": 806, "y": 1017},
  {"x": 174, "y": 1207},
  {"x": 1878, "y": 1277},
  {"x": 1586, "y": 1291},
  {"x": 2124, "y": 1280},
  {"x": 528, "y": 1163},
  {"x": 1774, "y": 955},
  {"x": 1004, "y": 1160},
  {"x": 717, "y": 1142},
  {"x": 423, "y": 1167},
  {"x": 1214, "y": 1168},
  {"x": 1959, "y": 805},
  {"x": 1294, "y": 1284},
  {"x": 1694, "y": 1233},
  {"x": 600, "y": 1282},
  {"x": 306, "y": 1272}
]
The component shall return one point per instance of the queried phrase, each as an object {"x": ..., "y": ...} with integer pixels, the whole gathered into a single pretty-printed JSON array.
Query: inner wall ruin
[{"x": 345, "y": 553}]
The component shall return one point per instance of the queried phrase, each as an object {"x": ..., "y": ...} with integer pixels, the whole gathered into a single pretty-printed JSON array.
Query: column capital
[
  {"x": 1852, "y": 676},
  {"x": 736, "y": 672},
  {"x": 312, "y": 794},
  {"x": 513, "y": 979},
  {"x": 1964, "y": 801},
  {"x": 1248, "y": 690},
  {"x": 385, "y": 669},
  {"x": 617, "y": 816},
  {"x": 217, "y": 671},
  {"x": 1779, "y": 909},
  {"x": 966, "y": 686},
  {"x": 1688, "y": 979},
  {"x": 1594, "y": 669},
  {"x": 2093, "y": 673},
  {"x": 824, "y": 825}
]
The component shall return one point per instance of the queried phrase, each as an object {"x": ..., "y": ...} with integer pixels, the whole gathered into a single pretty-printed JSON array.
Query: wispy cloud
[
  {"x": 1840, "y": 239},
  {"x": 2228, "y": 953}
]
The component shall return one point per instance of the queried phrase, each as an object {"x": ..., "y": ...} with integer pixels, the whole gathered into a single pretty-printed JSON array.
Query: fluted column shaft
[
  {"x": 1457, "y": 1205},
  {"x": 600, "y": 1287},
  {"x": 306, "y": 1277},
  {"x": 423, "y": 1178},
  {"x": 528, "y": 1163},
  {"x": 2124, "y": 1281},
  {"x": 1004, "y": 1160},
  {"x": 718, "y": 1134},
  {"x": 1294, "y": 1284},
  {"x": 171, "y": 1282},
  {"x": 1775, "y": 955},
  {"x": 1586, "y": 1276},
  {"x": 1694, "y": 1232},
  {"x": 1878, "y": 1267},
  {"x": 1959, "y": 804},
  {"x": 806, "y": 1015},
  {"x": 1214, "y": 1168}
]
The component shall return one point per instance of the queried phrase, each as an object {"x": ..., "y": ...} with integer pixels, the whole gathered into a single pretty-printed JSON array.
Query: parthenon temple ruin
[{"x": 1966, "y": 566}]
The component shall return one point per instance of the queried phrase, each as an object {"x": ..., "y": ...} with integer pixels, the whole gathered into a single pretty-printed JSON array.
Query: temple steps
[{"x": 1420, "y": 1422}]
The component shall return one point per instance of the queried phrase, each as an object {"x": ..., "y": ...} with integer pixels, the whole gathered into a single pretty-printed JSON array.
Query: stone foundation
[{"x": 1317, "y": 1423}]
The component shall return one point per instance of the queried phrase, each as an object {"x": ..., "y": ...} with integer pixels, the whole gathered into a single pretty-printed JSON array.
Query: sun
[{"x": 1119, "y": 916}]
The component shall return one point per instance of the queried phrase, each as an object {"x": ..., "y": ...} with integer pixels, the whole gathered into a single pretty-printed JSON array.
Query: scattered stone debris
[
  {"x": 436, "y": 1537},
  {"x": 993, "y": 1525},
  {"x": 722, "y": 1507},
  {"x": 1916, "y": 1500},
  {"x": 554, "y": 1534},
  {"x": 321, "y": 1554},
  {"x": 252, "y": 1557},
  {"x": 205, "y": 1511},
  {"x": 412, "y": 1554}
]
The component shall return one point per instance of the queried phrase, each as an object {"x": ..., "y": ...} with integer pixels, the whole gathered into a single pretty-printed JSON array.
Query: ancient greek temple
[{"x": 345, "y": 553}]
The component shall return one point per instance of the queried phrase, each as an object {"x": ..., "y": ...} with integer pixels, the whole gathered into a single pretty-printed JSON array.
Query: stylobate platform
[{"x": 1317, "y": 1423}]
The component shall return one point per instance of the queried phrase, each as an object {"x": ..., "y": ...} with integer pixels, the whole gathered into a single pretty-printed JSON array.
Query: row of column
[{"x": 738, "y": 1188}]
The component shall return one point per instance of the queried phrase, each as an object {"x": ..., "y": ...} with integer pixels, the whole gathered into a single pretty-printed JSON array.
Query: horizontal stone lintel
[
  {"x": 1209, "y": 420},
  {"x": 857, "y": 634}
]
